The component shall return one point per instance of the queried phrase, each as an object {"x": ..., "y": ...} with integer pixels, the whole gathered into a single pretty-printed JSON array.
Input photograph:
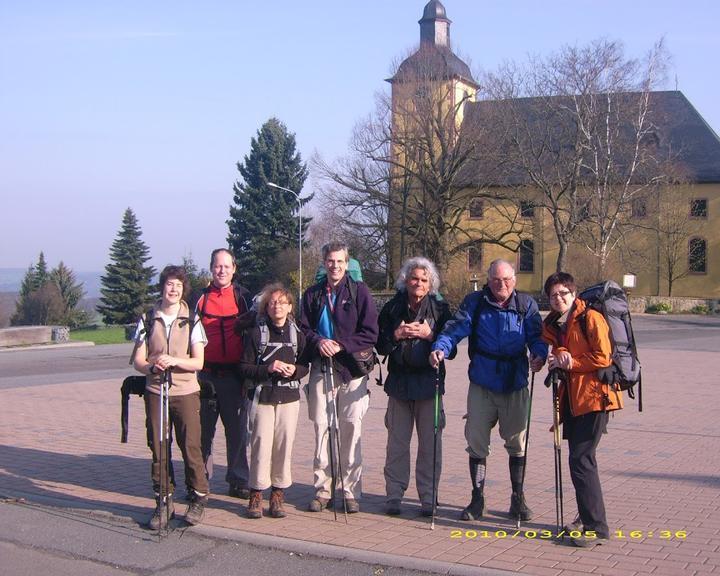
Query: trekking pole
[
  {"x": 328, "y": 385},
  {"x": 559, "y": 515},
  {"x": 164, "y": 455},
  {"x": 337, "y": 439},
  {"x": 436, "y": 418},
  {"x": 527, "y": 441}
]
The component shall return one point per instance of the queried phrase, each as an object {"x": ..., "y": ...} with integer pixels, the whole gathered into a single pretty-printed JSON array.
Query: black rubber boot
[
  {"x": 476, "y": 508},
  {"x": 518, "y": 506}
]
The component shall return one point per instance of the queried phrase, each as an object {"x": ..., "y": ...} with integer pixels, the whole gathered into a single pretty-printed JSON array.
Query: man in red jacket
[{"x": 218, "y": 308}]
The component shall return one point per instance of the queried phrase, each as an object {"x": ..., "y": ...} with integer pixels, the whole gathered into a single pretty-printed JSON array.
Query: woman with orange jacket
[{"x": 581, "y": 345}]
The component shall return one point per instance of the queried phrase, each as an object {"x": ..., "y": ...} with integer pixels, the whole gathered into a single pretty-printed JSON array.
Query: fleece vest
[{"x": 176, "y": 344}]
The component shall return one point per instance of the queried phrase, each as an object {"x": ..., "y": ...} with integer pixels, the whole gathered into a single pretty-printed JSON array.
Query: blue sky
[{"x": 110, "y": 104}]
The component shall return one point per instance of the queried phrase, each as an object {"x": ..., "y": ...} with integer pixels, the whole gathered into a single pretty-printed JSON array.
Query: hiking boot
[
  {"x": 196, "y": 510},
  {"x": 426, "y": 510},
  {"x": 392, "y": 507},
  {"x": 254, "y": 509},
  {"x": 277, "y": 499},
  {"x": 574, "y": 526},
  {"x": 518, "y": 507},
  {"x": 476, "y": 508},
  {"x": 352, "y": 506},
  {"x": 318, "y": 504},
  {"x": 238, "y": 492},
  {"x": 584, "y": 542},
  {"x": 159, "y": 516}
]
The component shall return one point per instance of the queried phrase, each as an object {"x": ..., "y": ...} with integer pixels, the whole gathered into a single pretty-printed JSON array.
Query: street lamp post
[{"x": 297, "y": 197}]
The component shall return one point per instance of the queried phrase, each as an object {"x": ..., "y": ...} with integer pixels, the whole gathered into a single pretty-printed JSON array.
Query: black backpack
[{"x": 609, "y": 299}]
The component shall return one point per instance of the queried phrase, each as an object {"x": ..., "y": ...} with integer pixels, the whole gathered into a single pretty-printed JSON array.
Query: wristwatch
[{"x": 152, "y": 368}]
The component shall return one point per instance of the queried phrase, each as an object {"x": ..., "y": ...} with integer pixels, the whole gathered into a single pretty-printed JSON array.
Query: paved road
[
  {"x": 37, "y": 539},
  {"x": 28, "y": 367}
]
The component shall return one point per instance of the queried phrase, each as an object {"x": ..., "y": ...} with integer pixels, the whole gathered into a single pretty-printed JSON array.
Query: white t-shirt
[{"x": 197, "y": 334}]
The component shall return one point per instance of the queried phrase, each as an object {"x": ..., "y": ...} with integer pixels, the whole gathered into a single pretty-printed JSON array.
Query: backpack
[
  {"x": 239, "y": 293},
  {"x": 240, "y": 302},
  {"x": 353, "y": 271},
  {"x": 609, "y": 299},
  {"x": 265, "y": 337}
]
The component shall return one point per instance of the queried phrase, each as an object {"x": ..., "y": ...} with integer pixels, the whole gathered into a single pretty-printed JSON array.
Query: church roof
[
  {"x": 678, "y": 132},
  {"x": 432, "y": 62}
]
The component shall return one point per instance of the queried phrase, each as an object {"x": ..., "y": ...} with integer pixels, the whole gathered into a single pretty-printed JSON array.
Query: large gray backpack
[{"x": 609, "y": 299}]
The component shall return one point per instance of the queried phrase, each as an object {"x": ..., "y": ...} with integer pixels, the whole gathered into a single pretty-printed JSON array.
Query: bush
[
  {"x": 700, "y": 309},
  {"x": 659, "y": 308}
]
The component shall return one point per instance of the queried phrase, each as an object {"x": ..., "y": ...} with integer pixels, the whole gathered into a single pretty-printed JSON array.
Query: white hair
[{"x": 424, "y": 264}]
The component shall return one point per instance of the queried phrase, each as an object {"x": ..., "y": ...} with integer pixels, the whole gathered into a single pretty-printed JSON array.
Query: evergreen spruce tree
[
  {"x": 198, "y": 278},
  {"x": 125, "y": 287},
  {"x": 27, "y": 287},
  {"x": 71, "y": 292},
  {"x": 263, "y": 220},
  {"x": 41, "y": 272},
  {"x": 35, "y": 278}
]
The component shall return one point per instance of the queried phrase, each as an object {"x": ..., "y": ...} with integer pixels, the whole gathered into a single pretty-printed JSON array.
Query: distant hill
[{"x": 11, "y": 279}]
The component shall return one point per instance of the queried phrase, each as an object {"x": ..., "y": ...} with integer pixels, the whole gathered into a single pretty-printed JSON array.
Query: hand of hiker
[
  {"x": 329, "y": 348},
  {"x": 536, "y": 363},
  {"x": 165, "y": 361},
  {"x": 282, "y": 368},
  {"x": 561, "y": 359},
  {"x": 436, "y": 357}
]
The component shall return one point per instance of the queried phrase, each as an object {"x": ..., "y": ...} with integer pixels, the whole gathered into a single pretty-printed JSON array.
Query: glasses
[
  {"x": 278, "y": 303},
  {"x": 507, "y": 280},
  {"x": 560, "y": 294}
]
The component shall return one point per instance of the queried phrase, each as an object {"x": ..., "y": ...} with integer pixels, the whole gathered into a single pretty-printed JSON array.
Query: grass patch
[{"x": 109, "y": 335}]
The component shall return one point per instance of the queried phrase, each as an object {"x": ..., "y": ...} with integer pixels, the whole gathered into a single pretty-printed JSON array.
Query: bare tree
[
  {"x": 406, "y": 185},
  {"x": 355, "y": 194},
  {"x": 578, "y": 127},
  {"x": 671, "y": 222}
]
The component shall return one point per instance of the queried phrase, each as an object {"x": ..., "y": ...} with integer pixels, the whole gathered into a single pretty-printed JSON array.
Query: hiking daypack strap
[{"x": 265, "y": 339}]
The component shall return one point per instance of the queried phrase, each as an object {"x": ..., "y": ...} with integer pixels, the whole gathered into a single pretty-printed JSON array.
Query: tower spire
[{"x": 435, "y": 25}]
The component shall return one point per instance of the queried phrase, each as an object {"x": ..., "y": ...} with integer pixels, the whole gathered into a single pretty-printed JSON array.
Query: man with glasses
[
  {"x": 502, "y": 326},
  {"x": 338, "y": 319}
]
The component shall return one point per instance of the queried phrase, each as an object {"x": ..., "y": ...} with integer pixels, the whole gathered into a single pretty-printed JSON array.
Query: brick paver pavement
[{"x": 659, "y": 470}]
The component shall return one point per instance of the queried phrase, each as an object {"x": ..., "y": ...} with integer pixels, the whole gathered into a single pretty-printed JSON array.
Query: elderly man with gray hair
[
  {"x": 408, "y": 325},
  {"x": 502, "y": 325}
]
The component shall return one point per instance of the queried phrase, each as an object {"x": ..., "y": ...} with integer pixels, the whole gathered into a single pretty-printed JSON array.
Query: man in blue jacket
[
  {"x": 338, "y": 318},
  {"x": 502, "y": 325}
]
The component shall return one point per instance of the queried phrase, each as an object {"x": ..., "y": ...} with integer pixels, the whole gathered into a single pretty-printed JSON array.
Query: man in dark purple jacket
[{"x": 338, "y": 318}]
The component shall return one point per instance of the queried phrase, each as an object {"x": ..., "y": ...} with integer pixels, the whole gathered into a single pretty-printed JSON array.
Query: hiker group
[{"x": 243, "y": 361}]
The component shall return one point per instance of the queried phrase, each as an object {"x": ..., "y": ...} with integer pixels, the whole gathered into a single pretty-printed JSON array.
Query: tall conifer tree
[
  {"x": 125, "y": 287},
  {"x": 263, "y": 220}
]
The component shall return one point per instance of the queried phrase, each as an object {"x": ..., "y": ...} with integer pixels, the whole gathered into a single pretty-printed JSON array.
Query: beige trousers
[
  {"x": 485, "y": 409},
  {"x": 352, "y": 401},
  {"x": 400, "y": 419},
  {"x": 271, "y": 445}
]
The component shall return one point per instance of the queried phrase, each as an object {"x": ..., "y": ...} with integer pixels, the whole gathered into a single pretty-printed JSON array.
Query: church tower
[{"x": 429, "y": 91}]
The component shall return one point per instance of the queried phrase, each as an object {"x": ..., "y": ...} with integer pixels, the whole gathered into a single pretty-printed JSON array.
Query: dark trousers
[
  {"x": 184, "y": 421},
  {"x": 230, "y": 404},
  {"x": 583, "y": 434}
]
